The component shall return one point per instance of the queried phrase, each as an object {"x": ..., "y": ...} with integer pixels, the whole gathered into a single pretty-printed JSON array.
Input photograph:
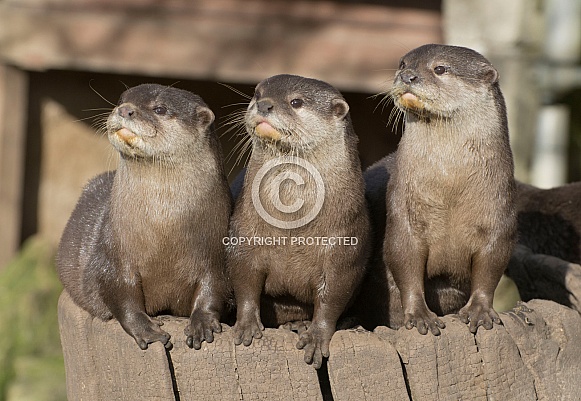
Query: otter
[
  {"x": 549, "y": 220},
  {"x": 450, "y": 200},
  {"x": 300, "y": 221},
  {"x": 379, "y": 301},
  {"x": 147, "y": 238},
  {"x": 549, "y": 223}
]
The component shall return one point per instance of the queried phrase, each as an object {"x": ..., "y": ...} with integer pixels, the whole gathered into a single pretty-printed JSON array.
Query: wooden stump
[{"x": 535, "y": 355}]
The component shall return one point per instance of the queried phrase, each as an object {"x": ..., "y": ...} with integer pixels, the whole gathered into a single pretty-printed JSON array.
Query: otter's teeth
[
  {"x": 126, "y": 135},
  {"x": 265, "y": 130},
  {"x": 411, "y": 101}
]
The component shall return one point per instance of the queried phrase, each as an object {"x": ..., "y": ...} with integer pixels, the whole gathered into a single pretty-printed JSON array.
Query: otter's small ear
[
  {"x": 340, "y": 108},
  {"x": 490, "y": 74},
  {"x": 205, "y": 116}
]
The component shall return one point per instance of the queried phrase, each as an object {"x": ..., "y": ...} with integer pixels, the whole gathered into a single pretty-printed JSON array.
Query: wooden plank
[
  {"x": 103, "y": 362},
  {"x": 538, "y": 350},
  {"x": 209, "y": 373},
  {"x": 125, "y": 372},
  {"x": 272, "y": 368},
  {"x": 351, "y": 46},
  {"x": 365, "y": 366},
  {"x": 79, "y": 364},
  {"x": 507, "y": 377},
  {"x": 445, "y": 367},
  {"x": 564, "y": 327},
  {"x": 13, "y": 107}
]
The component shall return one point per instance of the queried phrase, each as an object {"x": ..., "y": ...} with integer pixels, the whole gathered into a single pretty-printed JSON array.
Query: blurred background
[{"x": 63, "y": 62}]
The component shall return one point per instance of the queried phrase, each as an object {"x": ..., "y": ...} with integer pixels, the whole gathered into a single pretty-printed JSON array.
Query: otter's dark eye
[
  {"x": 256, "y": 95},
  {"x": 161, "y": 110},
  {"x": 439, "y": 70},
  {"x": 401, "y": 64},
  {"x": 296, "y": 103}
]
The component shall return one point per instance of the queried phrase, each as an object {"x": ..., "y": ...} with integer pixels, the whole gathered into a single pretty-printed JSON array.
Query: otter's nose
[
  {"x": 125, "y": 111},
  {"x": 408, "y": 76},
  {"x": 264, "y": 106}
]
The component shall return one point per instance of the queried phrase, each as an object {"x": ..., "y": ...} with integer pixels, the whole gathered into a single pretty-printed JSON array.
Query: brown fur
[
  {"x": 379, "y": 302},
  {"x": 147, "y": 238},
  {"x": 549, "y": 223},
  {"x": 451, "y": 218},
  {"x": 299, "y": 282},
  {"x": 549, "y": 220}
]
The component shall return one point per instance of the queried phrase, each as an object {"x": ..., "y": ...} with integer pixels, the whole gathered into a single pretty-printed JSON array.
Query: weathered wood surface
[
  {"x": 104, "y": 363},
  {"x": 535, "y": 355}
]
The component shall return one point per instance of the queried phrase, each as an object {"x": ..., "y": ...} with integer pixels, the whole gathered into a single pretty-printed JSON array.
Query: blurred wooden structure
[
  {"x": 349, "y": 44},
  {"x": 353, "y": 45}
]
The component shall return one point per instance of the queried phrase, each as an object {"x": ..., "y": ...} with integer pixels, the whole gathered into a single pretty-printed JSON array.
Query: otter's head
[
  {"x": 438, "y": 81},
  {"x": 289, "y": 112},
  {"x": 155, "y": 122}
]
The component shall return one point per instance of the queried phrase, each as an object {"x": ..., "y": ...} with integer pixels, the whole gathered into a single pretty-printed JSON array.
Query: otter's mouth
[
  {"x": 411, "y": 101},
  {"x": 126, "y": 135},
  {"x": 266, "y": 131}
]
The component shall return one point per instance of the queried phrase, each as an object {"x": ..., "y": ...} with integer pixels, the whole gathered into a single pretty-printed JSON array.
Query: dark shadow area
[
  {"x": 32, "y": 163},
  {"x": 324, "y": 382},
  {"x": 419, "y": 4},
  {"x": 573, "y": 100},
  {"x": 378, "y": 304},
  {"x": 172, "y": 372}
]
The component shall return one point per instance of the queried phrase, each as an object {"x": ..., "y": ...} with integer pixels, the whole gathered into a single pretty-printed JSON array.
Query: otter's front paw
[
  {"x": 315, "y": 341},
  {"x": 202, "y": 327},
  {"x": 423, "y": 320},
  {"x": 146, "y": 331},
  {"x": 477, "y": 314},
  {"x": 246, "y": 330}
]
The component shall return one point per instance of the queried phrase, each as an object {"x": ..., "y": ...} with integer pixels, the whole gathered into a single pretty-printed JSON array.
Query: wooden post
[
  {"x": 13, "y": 106},
  {"x": 534, "y": 355}
]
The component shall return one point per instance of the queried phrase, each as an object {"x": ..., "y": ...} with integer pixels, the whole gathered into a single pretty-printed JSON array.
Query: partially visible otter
[
  {"x": 379, "y": 301},
  {"x": 549, "y": 220},
  {"x": 549, "y": 223},
  {"x": 147, "y": 238},
  {"x": 314, "y": 270},
  {"x": 451, "y": 216}
]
